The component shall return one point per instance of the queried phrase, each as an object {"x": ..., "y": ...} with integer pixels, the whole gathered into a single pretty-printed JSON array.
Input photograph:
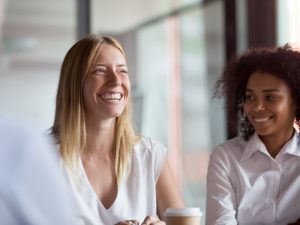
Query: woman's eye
[
  {"x": 123, "y": 71},
  {"x": 99, "y": 70},
  {"x": 271, "y": 97},
  {"x": 249, "y": 97}
]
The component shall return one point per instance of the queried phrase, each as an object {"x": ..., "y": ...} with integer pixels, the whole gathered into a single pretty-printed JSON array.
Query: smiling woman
[
  {"x": 118, "y": 177},
  {"x": 106, "y": 88},
  {"x": 254, "y": 179},
  {"x": 270, "y": 107}
]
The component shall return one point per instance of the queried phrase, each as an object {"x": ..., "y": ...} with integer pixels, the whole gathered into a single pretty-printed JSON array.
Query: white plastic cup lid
[{"x": 183, "y": 212}]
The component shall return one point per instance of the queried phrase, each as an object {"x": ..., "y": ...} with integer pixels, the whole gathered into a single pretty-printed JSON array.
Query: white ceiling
[
  {"x": 36, "y": 33},
  {"x": 106, "y": 15},
  {"x": 39, "y": 32},
  {"x": 119, "y": 16}
]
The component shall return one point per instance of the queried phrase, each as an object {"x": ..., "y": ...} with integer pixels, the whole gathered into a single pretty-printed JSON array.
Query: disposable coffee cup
[{"x": 183, "y": 216}]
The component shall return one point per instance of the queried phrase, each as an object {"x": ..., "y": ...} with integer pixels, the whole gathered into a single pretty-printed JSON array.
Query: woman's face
[
  {"x": 107, "y": 87},
  {"x": 269, "y": 105}
]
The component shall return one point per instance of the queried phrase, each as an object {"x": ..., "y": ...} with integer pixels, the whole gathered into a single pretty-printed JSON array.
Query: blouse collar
[{"x": 255, "y": 144}]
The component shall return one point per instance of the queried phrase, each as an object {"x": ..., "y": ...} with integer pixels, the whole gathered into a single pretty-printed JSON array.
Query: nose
[
  {"x": 259, "y": 107},
  {"x": 114, "y": 79}
]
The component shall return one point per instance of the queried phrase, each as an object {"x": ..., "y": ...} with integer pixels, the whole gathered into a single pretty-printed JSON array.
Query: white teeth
[
  {"x": 111, "y": 96},
  {"x": 261, "y": 120}
]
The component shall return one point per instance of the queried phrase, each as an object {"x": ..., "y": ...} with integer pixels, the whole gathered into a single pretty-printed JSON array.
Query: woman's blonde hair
[{"x": 69, "y": 122}]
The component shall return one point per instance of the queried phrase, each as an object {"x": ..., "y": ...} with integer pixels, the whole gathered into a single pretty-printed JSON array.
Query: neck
[
  {"x": 274, "y": 143},
  {"x": 100, "y": 137}
]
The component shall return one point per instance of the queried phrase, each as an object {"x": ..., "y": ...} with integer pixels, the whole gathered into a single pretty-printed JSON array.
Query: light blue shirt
[{"x": 32, "y": 187}]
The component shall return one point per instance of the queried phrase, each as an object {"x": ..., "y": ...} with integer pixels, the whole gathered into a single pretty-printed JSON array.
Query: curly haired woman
[{"x": 255, "y": 178}]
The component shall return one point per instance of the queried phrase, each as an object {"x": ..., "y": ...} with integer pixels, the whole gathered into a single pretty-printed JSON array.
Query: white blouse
[
  {"x": 245, "y": 185},
  {"x": 136, "y": 196}
]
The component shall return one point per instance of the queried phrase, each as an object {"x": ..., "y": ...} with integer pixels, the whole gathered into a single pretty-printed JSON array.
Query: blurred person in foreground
[
  {"x": 255, "y": 178},
  {"x": 31, "y": 190},
  {"x": 118, "y": 177}
]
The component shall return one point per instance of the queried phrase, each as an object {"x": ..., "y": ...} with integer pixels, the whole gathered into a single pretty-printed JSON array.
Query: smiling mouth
[
  {"x": 116, "y": 96},
  {"x": 262, "y": 119}
]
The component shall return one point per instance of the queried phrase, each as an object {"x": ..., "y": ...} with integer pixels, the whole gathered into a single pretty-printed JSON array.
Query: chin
[
  {"x": 262, "y": 132},
  {"x": 265, "y": 133},
  {"x": 116, "y": 114}
]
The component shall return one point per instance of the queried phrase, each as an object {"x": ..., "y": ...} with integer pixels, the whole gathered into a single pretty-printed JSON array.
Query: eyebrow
[{"x": 265, "y": 90}]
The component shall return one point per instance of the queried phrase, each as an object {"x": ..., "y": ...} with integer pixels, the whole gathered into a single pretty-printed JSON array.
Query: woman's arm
[{"x": 167, "y": 191}]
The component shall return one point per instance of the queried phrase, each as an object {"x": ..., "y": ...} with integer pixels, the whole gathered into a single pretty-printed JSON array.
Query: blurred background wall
[{"x": 176, "y": 50}]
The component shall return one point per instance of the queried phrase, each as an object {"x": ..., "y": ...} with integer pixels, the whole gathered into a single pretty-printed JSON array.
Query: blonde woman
[{"x": 117, "y": 176}]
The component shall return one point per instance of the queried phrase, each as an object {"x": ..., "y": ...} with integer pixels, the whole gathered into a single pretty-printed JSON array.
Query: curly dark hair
[{"x": 282, "y": 62}]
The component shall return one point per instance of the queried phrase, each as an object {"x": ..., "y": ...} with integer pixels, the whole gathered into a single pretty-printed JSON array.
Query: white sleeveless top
[{"x": 136, "y": 197}]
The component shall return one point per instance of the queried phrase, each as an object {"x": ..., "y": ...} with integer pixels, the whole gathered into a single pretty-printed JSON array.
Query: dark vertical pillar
[
  {"x": 261, "y": 17},
  {"x": 261, "y": 23},
  {"x": 230, "y": 29},
  {"x": 231, "y": 50},
  {"x": 83, "y": 18}
]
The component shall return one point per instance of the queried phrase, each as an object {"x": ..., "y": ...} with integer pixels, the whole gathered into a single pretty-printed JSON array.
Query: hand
[
  {"x": 128, "y": 222},
  {"x": 149, "y": 220}
]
